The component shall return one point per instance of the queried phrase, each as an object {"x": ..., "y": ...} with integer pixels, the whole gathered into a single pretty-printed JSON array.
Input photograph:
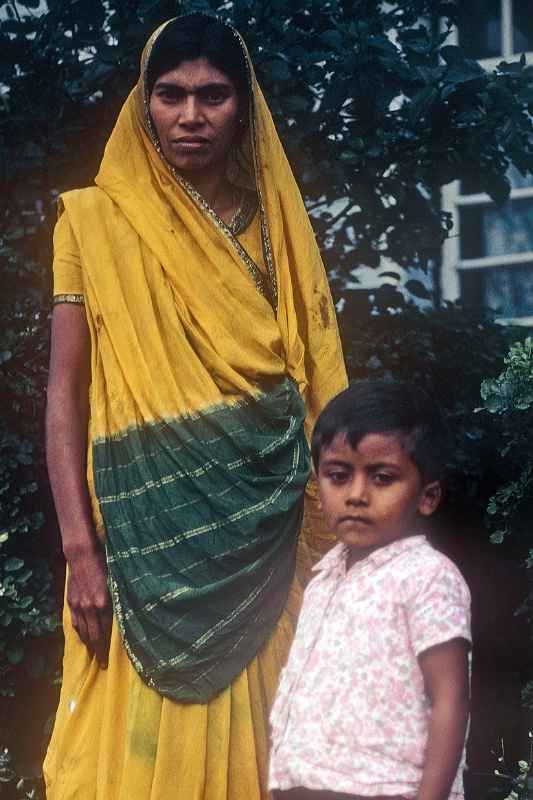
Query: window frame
[{"x": 453, "y": 200}]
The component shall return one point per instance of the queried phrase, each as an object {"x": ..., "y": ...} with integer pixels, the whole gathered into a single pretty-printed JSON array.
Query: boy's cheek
[
  {"x": 324, "y": 501},
  {"x": 328, "y": 515}
]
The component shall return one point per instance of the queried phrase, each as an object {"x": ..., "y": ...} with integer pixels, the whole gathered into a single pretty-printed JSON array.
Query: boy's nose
[{"x": 358, "y": 491}]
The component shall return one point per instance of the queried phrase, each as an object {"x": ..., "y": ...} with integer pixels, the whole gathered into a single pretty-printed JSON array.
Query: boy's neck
[{"x": 355, "y": 554}]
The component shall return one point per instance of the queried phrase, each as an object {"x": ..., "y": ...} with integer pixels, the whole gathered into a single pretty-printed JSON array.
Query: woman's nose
[{"x": 190, "y": 111}]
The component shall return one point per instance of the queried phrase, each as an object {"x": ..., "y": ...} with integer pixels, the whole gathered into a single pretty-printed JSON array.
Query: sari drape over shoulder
[{"x": 211, "y": 355}]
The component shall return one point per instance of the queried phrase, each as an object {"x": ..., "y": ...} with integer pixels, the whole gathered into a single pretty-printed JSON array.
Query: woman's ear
[{"x": 430, "y": 498}]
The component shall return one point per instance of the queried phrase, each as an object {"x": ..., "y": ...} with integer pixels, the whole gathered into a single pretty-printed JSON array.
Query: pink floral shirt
[{"x": 351, "y": 713}]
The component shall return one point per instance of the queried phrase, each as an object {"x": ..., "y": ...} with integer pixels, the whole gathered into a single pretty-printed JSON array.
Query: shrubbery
[
  {"x": 28, "y": 604},
  {"x": 509, "y": 398},
  {"x": 15, "y": 786}
]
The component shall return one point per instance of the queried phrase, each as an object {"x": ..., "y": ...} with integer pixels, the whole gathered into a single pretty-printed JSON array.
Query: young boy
[{"x": 373, "y": 702}]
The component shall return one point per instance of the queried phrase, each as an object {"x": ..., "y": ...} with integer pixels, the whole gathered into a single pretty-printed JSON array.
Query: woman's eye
[
  {"x": 214, "y": 98},
  {"x": 167, "y": 95}
]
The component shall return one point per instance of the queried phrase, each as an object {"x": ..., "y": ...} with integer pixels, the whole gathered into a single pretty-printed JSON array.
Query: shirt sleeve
[
  {"x": 68, "y": 279},
  {"x": 439, "y": 609}
]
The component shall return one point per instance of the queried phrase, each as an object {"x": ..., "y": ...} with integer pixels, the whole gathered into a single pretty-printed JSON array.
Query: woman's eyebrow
[{"x": 206, "y": 87}]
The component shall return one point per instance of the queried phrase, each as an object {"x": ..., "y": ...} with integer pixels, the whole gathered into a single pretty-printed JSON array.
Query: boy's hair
[{"x": 378, "y": 406}]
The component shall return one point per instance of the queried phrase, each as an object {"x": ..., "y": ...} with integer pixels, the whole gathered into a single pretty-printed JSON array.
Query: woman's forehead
[{"x": 194, "y": 74}]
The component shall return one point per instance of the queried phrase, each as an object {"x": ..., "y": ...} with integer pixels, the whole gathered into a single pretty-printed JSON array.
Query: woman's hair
[
  {"x": 376, "y": 406},
  {"x": 195, "y": 36}
]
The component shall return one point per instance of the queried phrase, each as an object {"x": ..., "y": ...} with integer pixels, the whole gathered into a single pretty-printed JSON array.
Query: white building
[{"x": 488, "y": 259}]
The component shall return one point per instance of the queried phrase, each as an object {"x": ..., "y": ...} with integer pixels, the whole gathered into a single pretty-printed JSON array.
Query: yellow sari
[{"x": 191, "y": 325}]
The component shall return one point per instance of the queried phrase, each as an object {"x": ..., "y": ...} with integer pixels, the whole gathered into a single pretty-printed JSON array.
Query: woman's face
[{"x": 195, "y": 111}]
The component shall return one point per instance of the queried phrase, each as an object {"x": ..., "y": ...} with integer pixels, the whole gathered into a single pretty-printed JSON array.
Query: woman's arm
[
  {"x": 67, "y": 416},
  {"x": 445, "y": 670}
]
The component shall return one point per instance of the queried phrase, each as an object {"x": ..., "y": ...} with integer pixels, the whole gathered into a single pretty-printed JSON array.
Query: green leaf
[
  {"x": 422, "y": 102},
  {"x": 498, "y": 187},
  {"x": 297, "y": 103},
  {"x": 418, "y": 289},
  {"x": 454, "y": 56},
  {"x": 23, "y": 577},
  {"x": 332, "y": 38},
  {"x": 15, "y": 653},
  {"x": 36, "y": 666},
  {"x": 334, "y": 96},
  {"x": 277, "y": 70},
  {"x": 13, "y": 564}
]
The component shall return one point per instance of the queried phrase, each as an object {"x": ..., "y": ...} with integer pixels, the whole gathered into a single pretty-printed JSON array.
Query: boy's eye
[
  {"x": 383, "y": 478},
  {"x": 337, "y": 476}
]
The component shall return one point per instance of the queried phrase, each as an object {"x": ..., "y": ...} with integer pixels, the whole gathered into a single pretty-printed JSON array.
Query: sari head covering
[{"x": 208, "y": 368}]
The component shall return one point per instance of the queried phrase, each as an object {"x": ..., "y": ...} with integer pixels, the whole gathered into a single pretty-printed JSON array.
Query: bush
[
  {"x": 28, "y": 602},
  {"x": 14, "y": 785},
  {"x": 509, "y": 399}
]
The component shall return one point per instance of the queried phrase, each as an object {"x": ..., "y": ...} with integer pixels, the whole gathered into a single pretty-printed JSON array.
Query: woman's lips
[
  {"x": 191, "y": 144},
  {"x": 356, "y": 519}
]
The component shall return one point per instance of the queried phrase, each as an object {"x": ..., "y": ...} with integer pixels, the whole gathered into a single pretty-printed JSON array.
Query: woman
[{"x": 193, "y": 343}]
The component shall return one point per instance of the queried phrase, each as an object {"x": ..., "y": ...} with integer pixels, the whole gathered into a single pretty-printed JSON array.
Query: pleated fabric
[{"x": 117, "y": 739}]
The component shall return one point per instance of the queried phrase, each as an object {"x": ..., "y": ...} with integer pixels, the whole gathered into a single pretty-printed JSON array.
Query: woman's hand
[{"x": 89, "y": 601}]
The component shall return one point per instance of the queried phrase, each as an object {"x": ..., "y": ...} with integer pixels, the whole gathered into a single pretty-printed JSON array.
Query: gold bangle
[{"x": 78, "y": 299}]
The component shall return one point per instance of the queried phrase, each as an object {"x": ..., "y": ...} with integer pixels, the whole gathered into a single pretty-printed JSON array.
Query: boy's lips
[{"x": 354, "y": 518}]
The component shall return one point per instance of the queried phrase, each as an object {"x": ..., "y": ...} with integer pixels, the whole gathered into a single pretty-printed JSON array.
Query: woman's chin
[{"x": 191, "y": 162}]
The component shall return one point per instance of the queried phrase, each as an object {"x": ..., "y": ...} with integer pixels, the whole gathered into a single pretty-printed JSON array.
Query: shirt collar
[{"x": 336, "y": 557}]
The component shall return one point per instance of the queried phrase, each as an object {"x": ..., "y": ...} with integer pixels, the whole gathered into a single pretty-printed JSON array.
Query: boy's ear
[{"x": 430, "y": 498}]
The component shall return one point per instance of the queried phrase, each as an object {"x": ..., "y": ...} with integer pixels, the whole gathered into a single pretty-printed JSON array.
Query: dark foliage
[
  {"x": 16, "y": 786},
  {"x": 377, "y": 123}
]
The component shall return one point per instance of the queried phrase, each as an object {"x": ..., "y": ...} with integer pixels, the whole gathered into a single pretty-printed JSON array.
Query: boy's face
[{"x": 372, "y": 495}]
